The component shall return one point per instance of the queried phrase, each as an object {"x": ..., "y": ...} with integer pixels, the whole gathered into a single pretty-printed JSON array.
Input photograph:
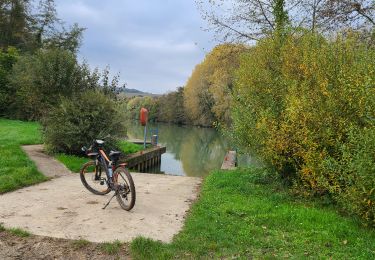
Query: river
[{"x": 191, "y": 151}]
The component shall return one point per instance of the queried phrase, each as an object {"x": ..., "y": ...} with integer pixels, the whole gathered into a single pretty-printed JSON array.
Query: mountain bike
[{"x": 105, "y": 174}]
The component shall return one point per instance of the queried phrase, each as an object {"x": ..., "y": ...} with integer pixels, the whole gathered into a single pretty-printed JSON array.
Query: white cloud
[
  {"x": 154, "y": 44},
  {"x": 158, "y": 45},
  {"x": 80, "y": 11}
]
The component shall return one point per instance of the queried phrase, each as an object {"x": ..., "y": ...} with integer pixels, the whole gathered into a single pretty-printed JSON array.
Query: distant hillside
[{"x": 131, "y": 92}]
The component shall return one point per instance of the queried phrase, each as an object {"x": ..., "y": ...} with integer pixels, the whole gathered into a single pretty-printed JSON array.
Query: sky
[{"x": 153, "y": 44}]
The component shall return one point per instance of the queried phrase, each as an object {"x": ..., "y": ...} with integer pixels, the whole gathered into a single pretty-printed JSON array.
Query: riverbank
[{"x": 248, "y": 214}]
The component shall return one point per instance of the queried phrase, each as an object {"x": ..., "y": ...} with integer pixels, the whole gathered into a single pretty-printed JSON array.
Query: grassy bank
[
  {"x": 245, "y": 214},
  {"x": 16, "y": 169}
]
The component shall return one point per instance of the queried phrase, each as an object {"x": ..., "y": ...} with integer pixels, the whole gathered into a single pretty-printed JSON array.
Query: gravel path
[{"x": 63, "y": 208}]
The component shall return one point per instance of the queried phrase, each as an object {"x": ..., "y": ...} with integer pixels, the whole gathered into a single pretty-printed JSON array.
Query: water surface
[{"x": 191, "y": 151}]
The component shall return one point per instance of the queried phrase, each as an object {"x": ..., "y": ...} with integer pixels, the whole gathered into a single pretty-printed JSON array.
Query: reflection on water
[{"x": 191, "y": 151}]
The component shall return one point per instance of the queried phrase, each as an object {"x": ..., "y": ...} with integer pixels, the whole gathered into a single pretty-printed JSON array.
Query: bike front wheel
[
  {"x": 125, "y": 190},
  {"x": 94, "y": 178}
]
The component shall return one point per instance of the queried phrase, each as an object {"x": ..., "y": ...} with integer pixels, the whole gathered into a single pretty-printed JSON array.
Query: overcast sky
[{"x": 154, "y": 44}]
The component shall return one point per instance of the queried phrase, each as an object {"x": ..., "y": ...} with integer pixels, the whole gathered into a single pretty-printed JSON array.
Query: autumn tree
[
  {"x": 209, "y": 89},
  {"x": 171, "y": 107}
]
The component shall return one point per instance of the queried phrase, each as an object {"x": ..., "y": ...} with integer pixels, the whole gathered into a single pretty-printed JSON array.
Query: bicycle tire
[
  {"x": 124, "y": 188},
  {"x": 98, "y": 187}
]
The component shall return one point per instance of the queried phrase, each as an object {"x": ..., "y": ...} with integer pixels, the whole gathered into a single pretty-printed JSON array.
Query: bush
[
  {"x": 42, "y": 79},
  {"x": 76, "y": 122},
  {"x": 301, "y": 104},
  {"x": 355, "y": 168}
]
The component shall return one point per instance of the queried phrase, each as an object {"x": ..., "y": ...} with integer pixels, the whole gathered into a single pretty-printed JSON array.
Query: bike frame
[{"x": 103, "y": 159}]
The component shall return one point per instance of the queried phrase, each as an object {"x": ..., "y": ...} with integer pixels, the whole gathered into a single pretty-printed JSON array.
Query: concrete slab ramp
[{"x": 63, "y": 208}]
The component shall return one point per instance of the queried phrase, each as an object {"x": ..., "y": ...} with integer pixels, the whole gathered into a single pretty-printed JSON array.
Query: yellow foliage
[{"x": 309, "y": 102}]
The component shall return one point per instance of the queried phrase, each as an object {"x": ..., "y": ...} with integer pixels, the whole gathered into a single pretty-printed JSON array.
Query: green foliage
[
  {"x": 171, "y": 107},
  {"x": 7, "y": 59},
  {"x": 77, "y": 121},
  {"x": 42, "y": 79},
  {"x": 246, "y": 214},
  {"x": 135, "y": 104},
  {"x": 297, "y": 105},
  {"x": 354, "y": 168},
  {"x": 30, "y": 25},
  {"x": 280, "y": 14},
  {"x": 17, "y": 170}
]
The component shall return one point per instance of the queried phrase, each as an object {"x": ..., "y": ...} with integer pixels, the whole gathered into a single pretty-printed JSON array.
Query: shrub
[
  {"x": 76, "y": 122},
  {"x": 301, "y": 104},
  {"x": 355, "y": 168},
  {"x": 42, "y": 79}
]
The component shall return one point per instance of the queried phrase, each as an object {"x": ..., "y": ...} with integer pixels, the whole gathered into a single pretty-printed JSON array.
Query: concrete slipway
[{"x": 63, "y": 208}]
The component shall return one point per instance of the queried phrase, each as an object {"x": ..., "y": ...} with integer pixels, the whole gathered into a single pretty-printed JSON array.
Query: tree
[
  {"x": 39, "y": 81},
  {"x": 78, "y": 120},
  {"x": 250, "y": 20},
  {"x": 171, "y": 107},
  {"x": 246, "y": 20},
  {"x": 198, "y": 100},
  {"x": 7, "y": 97},
  {"x": 350, "y": 13},
  {"x": 208, "y": 92},
  {"x": 14, "y": 30},
  {"x": 29, "y": 25}
]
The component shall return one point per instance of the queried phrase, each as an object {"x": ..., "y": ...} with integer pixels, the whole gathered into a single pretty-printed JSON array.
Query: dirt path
[
  {"x": 63, "y": 208},
  {"x": 36, "y": 247}
]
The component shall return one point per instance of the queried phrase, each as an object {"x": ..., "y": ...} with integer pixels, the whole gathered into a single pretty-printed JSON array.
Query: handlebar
[{"x": 95, "y": 143}]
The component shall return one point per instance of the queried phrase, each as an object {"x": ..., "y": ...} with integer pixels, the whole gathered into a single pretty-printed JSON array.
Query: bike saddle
[
  {"x": 99, "y": 142},
  {"x": 114, "y": 153}
]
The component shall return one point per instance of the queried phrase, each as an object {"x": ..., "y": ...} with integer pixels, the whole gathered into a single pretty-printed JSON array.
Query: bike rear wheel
[
  {"x": 94, "y": 178},
  {"x": 125, "y": 190}
]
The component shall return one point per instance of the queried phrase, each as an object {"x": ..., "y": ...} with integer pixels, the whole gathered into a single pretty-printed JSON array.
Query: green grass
[
  {"x": 127, "y": 147},
  {"x": 16, "y": 169},
  {"x": 80, "y": 243},
  {"x": 245, "y": 214},
  {"x": 15, "y": 231},
  {"x": 74, "y": 163},
  {"x": 19, "y": 232},
  {"x": 111, "y": 248}
]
